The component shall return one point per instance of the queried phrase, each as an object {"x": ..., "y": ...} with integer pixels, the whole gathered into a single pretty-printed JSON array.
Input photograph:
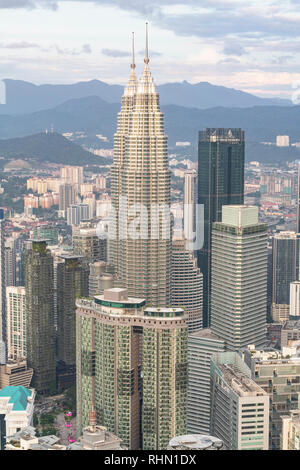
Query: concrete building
[
  {"x": 290, "y": 333},
  {"x": 78, "y": 213},
  {"x": 239, "y": 278},
  {"x": 278, "y": 373},
  {"x": 195, "y": 442},
  {"x": 187, "y": 285},
  {"x": 16, "y": 411},
  {"x": 67, "y": 197},
  {"x": 125, "y": 353},
  {"x": 15, "y": 373},
  {"x": 286, "y": 251},
  {"x": 87, "y": 243},
  {"x": 282, "y": 141},
  {"x": 239, "y": 407},
  {"x": 140, "y": 173},
  {"x": 40, "y": 316},
  {"x": 290, "y": 436},
  {"x": 72, "y": 175},
  {"x": 202, "y": 345},
  {"x": 221, "y": 161},
  {"x": 294, "y": 313},
  {"x": 16, "y": 322}
]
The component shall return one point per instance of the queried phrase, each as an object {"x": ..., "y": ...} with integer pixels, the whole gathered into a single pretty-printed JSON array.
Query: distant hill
[
  {"x": 25, "y": 97},
  {"x": 93, "y": 116},
  {"x": 47, "y": 148}
]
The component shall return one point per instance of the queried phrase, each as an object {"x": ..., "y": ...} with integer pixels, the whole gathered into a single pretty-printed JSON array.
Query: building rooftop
[
  {"x": 195, "y": 442},
  {"x": 241, "y": 384},
  {"x": 18, "y": 396},
  {"x": 205, "y": 333},
  {"x": 291, "y": 325}
]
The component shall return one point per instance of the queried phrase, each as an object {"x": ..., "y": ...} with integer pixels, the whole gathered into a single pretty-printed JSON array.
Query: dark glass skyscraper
[
  {"x": 40, "y": 316},
  {"x": 221, "y": 161}
]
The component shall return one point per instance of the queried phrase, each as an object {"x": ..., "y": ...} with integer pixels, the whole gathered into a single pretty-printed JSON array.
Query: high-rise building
[
  {"x": 88, "y": 243},
  {"x": 16, "y": 322},
  {"x": 108, "y": 337},
  {"x": 239, "y": 407},
  {"x": 221, "y": 160},
  {"x": 239, "y": 278},
  {"x": 164, "y": 376},
  {"x": 77, "y": 213},
  {"x": 286, "y": 254},
  {"x": 187, "y": 284},
  {"x": 2, "y": 280},
  {"x": 67, "y": 197},
  {"x": 190, "y": 202},
  {"x": 132, "y": 366},
  {"x": 140, "y": 186},
  {"x": 10, "y": 262},
  {"x": 72, "y": 282},
  {"x": 294, "y": 312},
  {"x": 48, "y": 232},
  {"x": 40, "y": 316},
  {"x": 202, "y": 345},
  {"x": 282, "y": 141},
  {"x": 72, "y": 175}
]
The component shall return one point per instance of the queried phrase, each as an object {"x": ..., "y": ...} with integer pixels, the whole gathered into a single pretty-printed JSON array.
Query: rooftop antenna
[
  {"x": 133, "y": 57},
  {"x": 147, "y": 46}
]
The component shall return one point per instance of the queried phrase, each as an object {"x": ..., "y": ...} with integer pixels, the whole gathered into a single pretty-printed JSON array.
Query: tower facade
[
  {"x": 221, "y": 161},
  {"x": 39, "y": 287},
  {"x": 190, "y": 202},
  {"x": 286, "y": 254},
  {"x": 132, "y": 366},
  {"x": 87, "y": 243},
  {"x": 2, "y": 280},
  {"x": 239, "y": 278},
  {"x": 16, "y": 322},
  {"x": 187, "y": 284},
  {"x": 72, "y": 282},
  {"x": 140, "y": 187}
]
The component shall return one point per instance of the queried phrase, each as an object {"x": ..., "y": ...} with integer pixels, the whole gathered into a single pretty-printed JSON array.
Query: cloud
[
  {"x": 234, "y": 49},
  {"x": 19, "y": 45},
  {"x": 85, "y": 49},
  {"x": 115, "y": 53},
  {"x": 29, "y": 4}
]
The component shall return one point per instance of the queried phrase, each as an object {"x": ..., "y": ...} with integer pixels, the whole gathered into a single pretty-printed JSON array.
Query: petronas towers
[{"x": 140, "y": 241}]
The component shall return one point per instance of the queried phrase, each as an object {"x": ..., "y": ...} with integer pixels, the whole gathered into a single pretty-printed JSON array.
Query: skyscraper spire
[
  {"x": 147, "y": 60},
  {"x": 133, "y": 56},
  {"x": 130, "y": 90}
]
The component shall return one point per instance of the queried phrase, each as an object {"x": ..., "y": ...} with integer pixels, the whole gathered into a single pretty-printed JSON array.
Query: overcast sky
[{"x": 252, "y": 45}]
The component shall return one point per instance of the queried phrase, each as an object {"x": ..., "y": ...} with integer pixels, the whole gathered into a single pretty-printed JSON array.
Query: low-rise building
[{"x": 16, "y": 410}]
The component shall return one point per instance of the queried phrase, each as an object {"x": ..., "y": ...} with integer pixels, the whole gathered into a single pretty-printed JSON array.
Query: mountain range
[
  {"x": 47, "y": 148},
  {"x": 95, "y": 116},
  {"x": 25, "y": 97}
]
